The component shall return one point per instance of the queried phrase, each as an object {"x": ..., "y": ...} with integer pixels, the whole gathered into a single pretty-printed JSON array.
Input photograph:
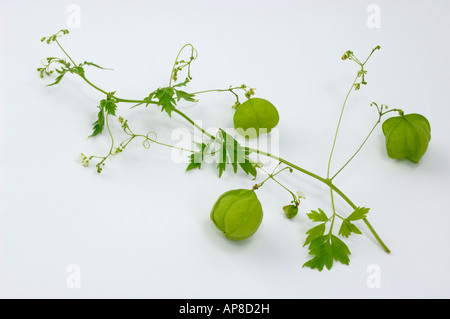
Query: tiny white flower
[
  {"x": 81, "y": 158},
  {"x": 301, "y": 195}
]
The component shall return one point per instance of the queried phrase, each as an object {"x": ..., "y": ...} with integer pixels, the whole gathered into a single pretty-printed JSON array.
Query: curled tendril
[
  {"x": 46, "y": 67},
  {"x": 179, "y": 65},
  {"x": 194, "y": 54},
  {"x": 147, "y": 141}
]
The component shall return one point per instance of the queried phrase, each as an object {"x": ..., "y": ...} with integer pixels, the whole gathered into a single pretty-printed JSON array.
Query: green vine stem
[{"x": 327, "y": 181}]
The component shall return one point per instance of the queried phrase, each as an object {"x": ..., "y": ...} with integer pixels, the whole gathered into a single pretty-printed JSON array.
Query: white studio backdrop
[{"x": 142, "y": 228}]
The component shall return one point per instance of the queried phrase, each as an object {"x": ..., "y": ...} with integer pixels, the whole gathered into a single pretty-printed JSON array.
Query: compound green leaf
[
  {"x": 326, "y": 249},
  {"x": 165, "y": 99}
]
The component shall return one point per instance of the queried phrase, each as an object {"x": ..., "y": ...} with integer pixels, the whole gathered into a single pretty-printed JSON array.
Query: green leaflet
[
  {"x": 319, "y": 230},
  {"x": 347, "y": 227},
  {"x": 359, "y": 213},
  {"x": 314, "y": 232},
  {"x": 185, "y": 96},
  {"x": 255, "y": 116},
  {"x": 231, "y": 152},
  {"x": 196, "y": 159},
  {"x": 166, "y": 98},
  {"x": 319, "y": 216},
  {"x": 407, "y": 136},
  {"x": 99, "y": 124},
  {"x": 107, "y": 106},
  {"x": 94, "y": 65},
  {"x": 326, "y": 249}
]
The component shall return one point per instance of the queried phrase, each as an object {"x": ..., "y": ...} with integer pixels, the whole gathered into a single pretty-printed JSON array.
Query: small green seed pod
[
  {"x": 237, "y": 213},
  {"x": 290, "y": 211}
]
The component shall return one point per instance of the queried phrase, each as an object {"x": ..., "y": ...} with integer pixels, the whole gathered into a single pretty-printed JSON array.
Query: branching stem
[{"x": 327, "y": 181}]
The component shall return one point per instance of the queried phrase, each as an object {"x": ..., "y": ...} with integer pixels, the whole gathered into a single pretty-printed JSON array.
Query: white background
[{"x": 141, "y": 229}]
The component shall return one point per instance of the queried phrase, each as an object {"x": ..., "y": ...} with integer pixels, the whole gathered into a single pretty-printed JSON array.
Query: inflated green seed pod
[
  {"x": 407, "y": 136},
  {"x": 255, "y": 116},
  {"x": 237, "y": 213},
  {"x": 290, "y": 211}
]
